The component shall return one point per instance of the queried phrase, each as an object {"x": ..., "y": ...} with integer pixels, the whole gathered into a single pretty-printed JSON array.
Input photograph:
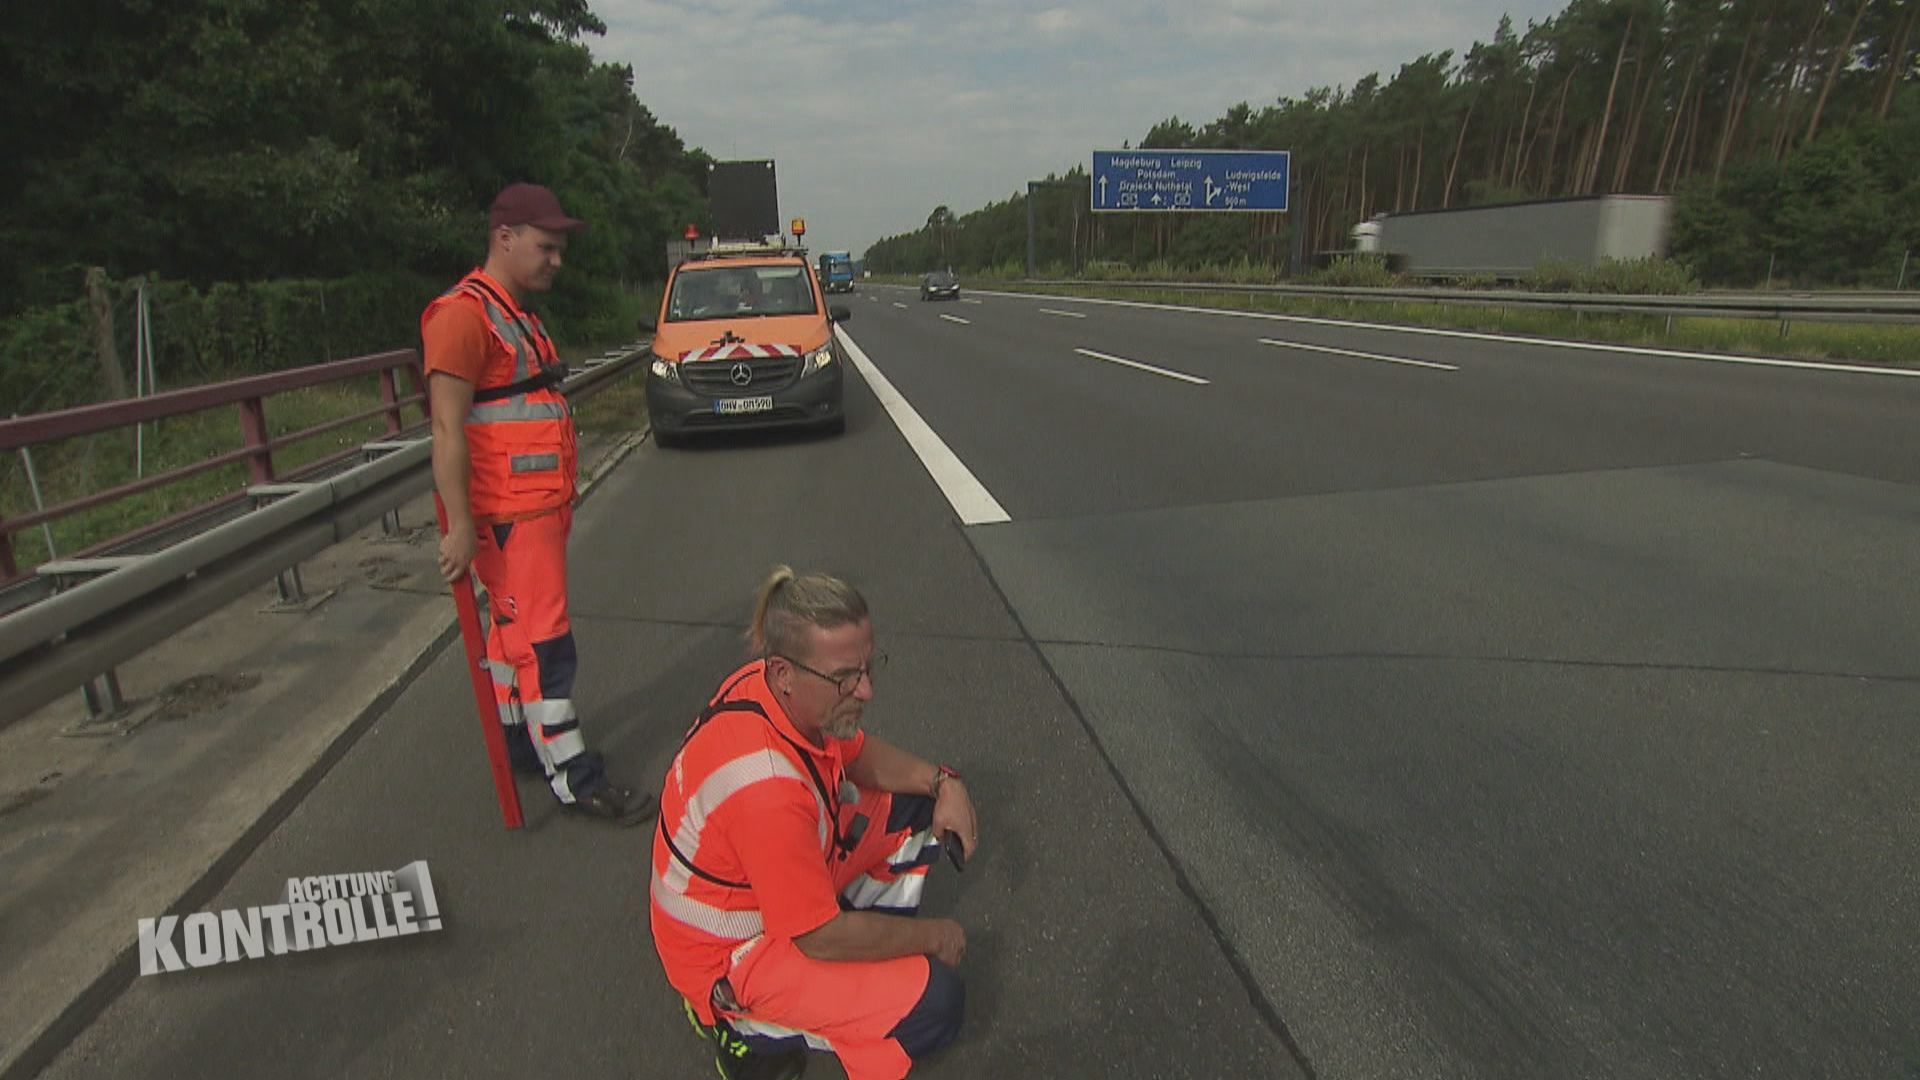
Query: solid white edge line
[
  {"x": 958, "y": 319},
  {"x": 1361, "y": 355},
  {"x": 968, "y": 497},
  {"x": 1470, "y": 335},
  {"x": 1067, "y": 314},
  {"x": 1143, "y": 367}
]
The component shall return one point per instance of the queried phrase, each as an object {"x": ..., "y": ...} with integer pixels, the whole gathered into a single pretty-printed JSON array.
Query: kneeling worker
[{"x": 792, "y": 851}]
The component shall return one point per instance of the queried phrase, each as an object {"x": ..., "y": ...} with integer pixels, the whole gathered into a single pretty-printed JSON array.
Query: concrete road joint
[{"x": 1255, "y": 995}]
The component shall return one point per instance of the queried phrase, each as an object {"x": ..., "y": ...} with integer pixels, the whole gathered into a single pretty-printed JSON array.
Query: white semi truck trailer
[{"x": 1512, "y": 239}]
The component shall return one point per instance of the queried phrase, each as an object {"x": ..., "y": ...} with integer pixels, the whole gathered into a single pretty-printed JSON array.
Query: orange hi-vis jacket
[
  {"x": 750, "y": 825},
  {"x": 520, "y": 436}
]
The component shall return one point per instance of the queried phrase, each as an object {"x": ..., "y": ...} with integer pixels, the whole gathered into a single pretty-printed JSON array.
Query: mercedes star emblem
[{"x": 742, "y": 374}]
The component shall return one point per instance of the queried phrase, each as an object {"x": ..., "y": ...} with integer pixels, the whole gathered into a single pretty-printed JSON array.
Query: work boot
[
  {"x": 791, "y": 1065},
  {"x": 738, "y": 1061},
  {"x": 614, "y": 804}
]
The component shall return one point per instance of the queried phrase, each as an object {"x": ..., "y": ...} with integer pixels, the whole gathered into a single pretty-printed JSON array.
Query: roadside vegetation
[
  {"x": 293, "y": 181},
  {"x": 1787, "y": 132}
]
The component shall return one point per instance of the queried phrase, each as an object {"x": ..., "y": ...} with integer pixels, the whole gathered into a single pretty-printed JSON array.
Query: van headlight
[
  {"x": 666, "y": 369},
  {"x": 817, "y": 360}
]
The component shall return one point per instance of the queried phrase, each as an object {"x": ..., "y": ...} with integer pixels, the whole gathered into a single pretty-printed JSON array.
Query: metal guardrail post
[
  {"x": 253, "y": 425},
  {"x": 287, "y": 584},
  {"x": 418, "y": 378},
  {"x": 104, "y": 699},
  {"x": 115, "y": 700},
  {"x": 390, "y": 397},
  {"x": 390, "y": 527}
]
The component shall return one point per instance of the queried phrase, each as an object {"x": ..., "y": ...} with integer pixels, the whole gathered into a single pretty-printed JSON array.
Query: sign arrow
[
  {"x": 1103, "y": 191},
  {"x": 1211, "y": 191},
  {"x": 1156, "y": 200}
]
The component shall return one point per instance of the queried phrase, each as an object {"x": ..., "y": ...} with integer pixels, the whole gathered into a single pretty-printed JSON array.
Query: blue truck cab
[{"x": 836, "y": 271}]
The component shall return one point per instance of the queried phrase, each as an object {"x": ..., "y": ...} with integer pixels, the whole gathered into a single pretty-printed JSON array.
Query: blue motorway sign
[{"x": 1195, "y": 180}]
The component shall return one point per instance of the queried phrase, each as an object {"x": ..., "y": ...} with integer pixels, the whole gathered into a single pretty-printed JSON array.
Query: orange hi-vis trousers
[
  {"x": 880, "y": 1016},
  {"x": 530, "y": 650}
]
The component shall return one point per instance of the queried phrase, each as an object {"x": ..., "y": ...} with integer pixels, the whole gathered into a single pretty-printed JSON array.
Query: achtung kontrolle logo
[{"x": 313, "y": 913}]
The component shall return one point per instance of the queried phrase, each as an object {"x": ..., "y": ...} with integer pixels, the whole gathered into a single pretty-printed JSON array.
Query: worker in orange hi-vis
[
  {"x": 504, "y": 462},
  {"x": 792, "y": 851}
]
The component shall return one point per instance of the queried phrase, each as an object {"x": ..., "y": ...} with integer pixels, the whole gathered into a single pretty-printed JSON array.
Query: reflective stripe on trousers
[
  {"x": 530, "y": 649},
  {"x": 878, "y": 1017}
]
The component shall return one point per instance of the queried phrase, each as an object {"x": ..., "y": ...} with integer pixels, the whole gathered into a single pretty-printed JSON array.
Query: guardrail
[
  {"x": 75, "y": 637},
  {"x": 249, "y": 394},
  {"x": 1785, "y": 308}
]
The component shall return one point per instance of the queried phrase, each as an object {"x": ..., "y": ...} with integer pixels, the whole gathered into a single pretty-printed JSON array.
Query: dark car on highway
[{"x": 939, "y": 285}]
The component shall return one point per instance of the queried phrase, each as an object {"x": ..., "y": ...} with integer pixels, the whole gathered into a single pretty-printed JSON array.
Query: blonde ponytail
[{"x": 788, "y": 605}]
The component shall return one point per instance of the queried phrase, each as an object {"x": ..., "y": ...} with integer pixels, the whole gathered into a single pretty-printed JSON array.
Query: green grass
[
  {"x": 619, "y": 407},
  {"x": 1856, "y": 342},
  {"x": 78, "y": 467}
]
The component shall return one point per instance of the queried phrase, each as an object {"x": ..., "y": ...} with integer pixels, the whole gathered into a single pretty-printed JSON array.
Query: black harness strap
[
  {"x": 548, "y": 375},
  {"x": 843, "y": 844},
  {"x": 696, "y": 871}
]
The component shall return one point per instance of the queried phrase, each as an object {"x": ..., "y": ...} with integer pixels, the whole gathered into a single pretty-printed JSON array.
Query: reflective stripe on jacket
[
  {"x": 521, "y": 446},
  {"x": 701, "y": 910}
]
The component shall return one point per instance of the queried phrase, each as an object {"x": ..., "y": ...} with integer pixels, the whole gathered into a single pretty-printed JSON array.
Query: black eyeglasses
[{"x": 847, "y": 682}]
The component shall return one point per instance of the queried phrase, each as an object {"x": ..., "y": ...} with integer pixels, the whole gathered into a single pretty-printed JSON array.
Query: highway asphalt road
[{"x": 1341, "y": 702}]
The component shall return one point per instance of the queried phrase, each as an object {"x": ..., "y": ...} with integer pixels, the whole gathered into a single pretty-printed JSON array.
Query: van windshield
[{"x": 729, "y": 292}]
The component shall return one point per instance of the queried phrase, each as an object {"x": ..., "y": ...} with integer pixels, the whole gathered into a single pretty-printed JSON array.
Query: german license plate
[{"x": 730, "y": 406}]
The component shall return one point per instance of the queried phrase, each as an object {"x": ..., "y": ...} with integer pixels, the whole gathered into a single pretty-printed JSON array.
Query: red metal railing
[{"x": 249, "y": 395}]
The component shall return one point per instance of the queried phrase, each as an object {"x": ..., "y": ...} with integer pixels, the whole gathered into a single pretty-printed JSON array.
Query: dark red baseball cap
[{"x": 531, "y": 204}]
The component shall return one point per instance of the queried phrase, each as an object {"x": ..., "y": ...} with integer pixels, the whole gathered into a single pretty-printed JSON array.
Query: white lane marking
[
  {"x": 1143, "y": 367},
  {"x": 1361, "y": 355},
  {"x": 1587, "y": 346},
  {"x": 956, "y": 318},
  {"x": 900, "y": 305},
  {"x": 973, "y": 301},
  {"x": 1065, "y": 314},
  {"x": 969, "y": 498}
]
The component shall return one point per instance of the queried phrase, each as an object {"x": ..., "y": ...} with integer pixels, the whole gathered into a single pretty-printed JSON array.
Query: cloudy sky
[{"x": 876, "y": 111}]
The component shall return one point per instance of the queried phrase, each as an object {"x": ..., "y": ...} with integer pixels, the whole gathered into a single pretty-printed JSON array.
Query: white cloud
[
  {"x": 876, "y": 111},
  {"x": 1057, "y": 21}
]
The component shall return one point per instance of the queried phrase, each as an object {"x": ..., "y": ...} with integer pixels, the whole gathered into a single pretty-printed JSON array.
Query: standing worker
[
  {"x": 792, "y": 852},
  {"x": 504, "y": 462}
]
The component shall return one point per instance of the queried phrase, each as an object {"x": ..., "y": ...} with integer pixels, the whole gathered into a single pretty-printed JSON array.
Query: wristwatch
[{"x": 940, "y": 774}]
